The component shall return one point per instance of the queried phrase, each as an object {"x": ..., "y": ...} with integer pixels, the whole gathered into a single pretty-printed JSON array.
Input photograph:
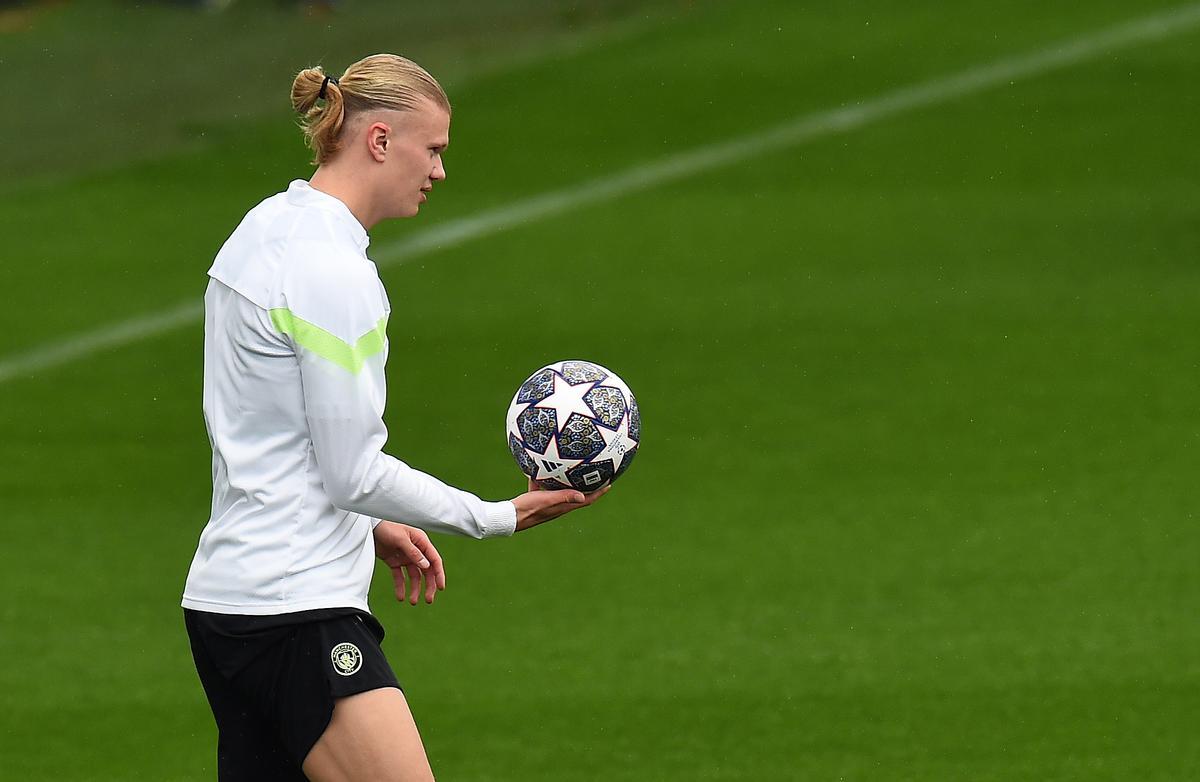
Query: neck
[{"x": 340, "y": 185}]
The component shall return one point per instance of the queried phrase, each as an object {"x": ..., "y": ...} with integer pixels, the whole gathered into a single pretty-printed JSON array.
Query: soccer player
[{"x": 303, "y": 495}]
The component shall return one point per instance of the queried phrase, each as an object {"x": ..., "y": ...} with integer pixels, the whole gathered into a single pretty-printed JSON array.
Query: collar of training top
[{"x": 301, "y": 193}]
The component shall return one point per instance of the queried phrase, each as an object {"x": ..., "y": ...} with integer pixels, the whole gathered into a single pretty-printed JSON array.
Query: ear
[{"x": 377, "y": 140}]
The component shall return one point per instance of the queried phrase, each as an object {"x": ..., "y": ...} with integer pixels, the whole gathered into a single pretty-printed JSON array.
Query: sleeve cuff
[
  {"x": 375, "y": 523},
  {"x": 500, "y": 519}
]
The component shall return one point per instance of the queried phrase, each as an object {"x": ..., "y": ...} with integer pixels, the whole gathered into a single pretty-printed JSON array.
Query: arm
[
  {"x": 366, "y": 483},
  {"x": 411, "y": 556},
  {"x": 344, "y": 409},
  {"x": 335, "y": 320}
]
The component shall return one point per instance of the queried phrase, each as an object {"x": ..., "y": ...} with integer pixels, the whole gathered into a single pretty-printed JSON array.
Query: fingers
[
  {"x": 430, "y": 553},
  {"x": 569, "y": 496},
  {"x": 430, "y": 587},
  {"x": 597, "y": 494},
  {"x": 417, "y": 567},
  {"x": 398, "y": 582},
  {"x": 437, "y": 569},
  {"x": 567, "y": 500},
  {"x": 548, "y": 499},
  {"x": 435, "y": 574},
  {"x": 410, "y": 582},
  {"x": 414, "y": 547},
  {"x": 414, "y": 583},
  {"x": 534, "y": 508}
]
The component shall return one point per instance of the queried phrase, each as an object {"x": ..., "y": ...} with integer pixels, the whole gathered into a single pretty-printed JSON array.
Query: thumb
[
  {"x": 561, "y": 497},
  {"x": 415, "y": 555}
]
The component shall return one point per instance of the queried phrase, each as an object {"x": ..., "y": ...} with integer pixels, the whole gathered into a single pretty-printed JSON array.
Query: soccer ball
[{"x": 574, "y": 425}]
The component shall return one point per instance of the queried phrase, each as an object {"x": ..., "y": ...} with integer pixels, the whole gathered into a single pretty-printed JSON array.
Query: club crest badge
[{"x": 346, "y": 659}]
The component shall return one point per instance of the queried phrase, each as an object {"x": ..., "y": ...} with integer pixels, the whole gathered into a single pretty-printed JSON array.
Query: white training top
[{"x": 294, "y": 349}]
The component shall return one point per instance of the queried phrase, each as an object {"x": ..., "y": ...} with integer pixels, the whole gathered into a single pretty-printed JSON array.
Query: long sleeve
[{"x": 341, "y": 349}]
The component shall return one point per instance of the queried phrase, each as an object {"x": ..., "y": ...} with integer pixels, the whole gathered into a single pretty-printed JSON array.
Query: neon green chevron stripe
[{"x": 329, "y": 347}]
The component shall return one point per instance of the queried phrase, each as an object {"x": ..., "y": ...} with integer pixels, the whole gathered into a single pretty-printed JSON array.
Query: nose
[{"x": 439, "y": 170}]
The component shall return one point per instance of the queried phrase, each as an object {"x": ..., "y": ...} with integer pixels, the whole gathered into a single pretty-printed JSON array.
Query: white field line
[{"x": 795, "y": 132}]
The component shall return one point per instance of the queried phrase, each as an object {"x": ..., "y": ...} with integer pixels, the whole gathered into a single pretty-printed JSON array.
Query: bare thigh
[{"x": 371, "y": 736}]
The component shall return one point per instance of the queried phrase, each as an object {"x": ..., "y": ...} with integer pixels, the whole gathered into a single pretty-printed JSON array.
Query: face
[{"x": 412, "y": 157}]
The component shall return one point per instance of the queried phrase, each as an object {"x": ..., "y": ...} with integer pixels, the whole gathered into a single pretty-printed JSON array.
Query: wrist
[{"x": 381, "y": 532}]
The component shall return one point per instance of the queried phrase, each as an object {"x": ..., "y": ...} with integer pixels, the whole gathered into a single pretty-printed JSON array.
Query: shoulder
[
  {"x": 332, "y": 286},
  {"x": 302, "y": 263}
]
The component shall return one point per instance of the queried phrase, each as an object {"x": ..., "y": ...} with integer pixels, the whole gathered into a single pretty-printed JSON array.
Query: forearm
[
  {"x": 387, "y": 488},
  {"x": 344, "y": 412}
]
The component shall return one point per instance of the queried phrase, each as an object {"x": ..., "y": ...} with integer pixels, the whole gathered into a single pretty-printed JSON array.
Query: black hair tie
[{"x": 324, "y": 84}]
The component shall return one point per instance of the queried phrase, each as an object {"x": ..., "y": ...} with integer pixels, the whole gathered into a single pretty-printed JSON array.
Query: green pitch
[{"x": 916, "y": 498}]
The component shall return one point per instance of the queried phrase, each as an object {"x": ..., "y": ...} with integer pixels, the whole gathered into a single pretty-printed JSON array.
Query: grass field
[{"x": 919, "y": 396}]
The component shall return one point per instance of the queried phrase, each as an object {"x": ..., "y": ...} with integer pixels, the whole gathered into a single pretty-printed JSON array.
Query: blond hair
[{"x": 381, "y": 81}]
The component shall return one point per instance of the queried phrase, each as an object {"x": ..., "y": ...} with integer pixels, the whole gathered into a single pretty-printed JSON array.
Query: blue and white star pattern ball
[{"x": 574, "y": 425}]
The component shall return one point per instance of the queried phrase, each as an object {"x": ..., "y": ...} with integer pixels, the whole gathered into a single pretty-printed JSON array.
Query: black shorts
[{"x": 272, "y": 682}]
